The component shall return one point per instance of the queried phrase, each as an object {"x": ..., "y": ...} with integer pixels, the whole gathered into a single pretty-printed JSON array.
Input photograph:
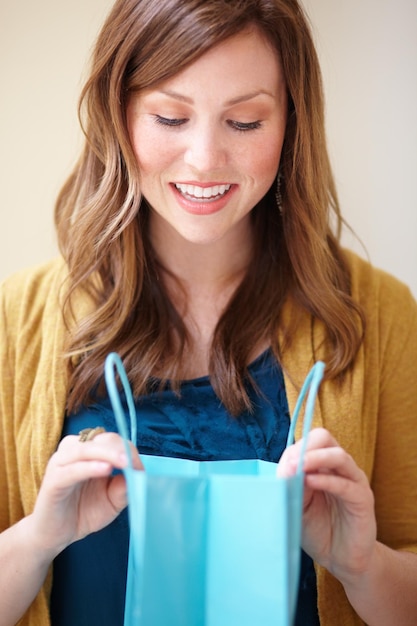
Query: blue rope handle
[
  {"x": 113, "y": 362},
  {"x": 311, "y": 384}
]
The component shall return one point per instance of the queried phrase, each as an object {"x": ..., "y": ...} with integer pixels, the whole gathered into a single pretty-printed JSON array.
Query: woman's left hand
[{"x": 339, "y": 527}]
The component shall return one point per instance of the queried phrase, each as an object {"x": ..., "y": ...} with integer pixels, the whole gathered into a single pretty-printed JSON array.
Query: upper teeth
[{"x": 202, "y": 192}]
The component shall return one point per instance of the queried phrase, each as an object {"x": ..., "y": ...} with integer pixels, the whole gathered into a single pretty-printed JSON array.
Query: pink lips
[{"x": 202, "y": 198}]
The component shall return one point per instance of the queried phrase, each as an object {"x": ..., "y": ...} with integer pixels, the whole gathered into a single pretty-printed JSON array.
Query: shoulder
[
  {"x": 32, "y": 288},
  {"x": 377, "y": 291},
  {"x": 30, "y": 297},
  {"x": 32, "y": 335},
  {"x": 34, "y": 278},
  {"x": 390, "y": 341}
]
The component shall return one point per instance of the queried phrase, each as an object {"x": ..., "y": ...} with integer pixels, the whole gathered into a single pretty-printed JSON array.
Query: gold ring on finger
[{"x": 87, "y": 434}]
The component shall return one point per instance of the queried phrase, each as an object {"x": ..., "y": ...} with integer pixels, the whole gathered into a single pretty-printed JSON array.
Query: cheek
[
  {"x": 265, "y": 160},
  {"x": 153, "y": 153}
]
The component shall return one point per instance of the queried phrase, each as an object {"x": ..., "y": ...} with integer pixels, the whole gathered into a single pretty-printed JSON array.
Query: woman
[{"x": 196, "y": 242}]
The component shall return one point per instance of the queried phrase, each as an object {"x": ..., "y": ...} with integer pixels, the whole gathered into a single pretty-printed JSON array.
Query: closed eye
[
  {"x": 169, "y": 121},
  {"x": 244, "y": 126}
]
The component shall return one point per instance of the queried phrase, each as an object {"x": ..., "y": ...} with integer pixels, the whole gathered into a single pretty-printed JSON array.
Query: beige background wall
[{"x": 368, "y": 50}]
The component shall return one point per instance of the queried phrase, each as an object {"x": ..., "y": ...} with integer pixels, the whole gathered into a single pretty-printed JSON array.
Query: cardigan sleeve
[
  {"x": 32, "y": 396},
  {"x": 8, "y": 463},
  {"x": 394, "y": 479},
  {"x": 373, "y": 415},
  {"x": 32, "y": 380}
]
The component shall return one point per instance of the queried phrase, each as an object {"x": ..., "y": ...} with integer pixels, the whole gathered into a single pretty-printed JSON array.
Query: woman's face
[{"x": 208, "y": 141}]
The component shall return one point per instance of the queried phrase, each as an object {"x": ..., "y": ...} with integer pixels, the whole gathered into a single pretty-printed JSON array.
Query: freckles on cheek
[
  {"x": 146, "y": 143},
  {"x": 268, "y": 160},
  {"x": 140, "y": 149},
  {"x": 152, "y": 154}
]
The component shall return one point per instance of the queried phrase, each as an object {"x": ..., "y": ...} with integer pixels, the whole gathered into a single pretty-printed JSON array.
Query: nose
[{"x": 206, "y": 150}]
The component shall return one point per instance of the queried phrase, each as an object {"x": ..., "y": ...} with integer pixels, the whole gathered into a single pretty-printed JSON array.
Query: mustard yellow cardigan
[{"x": 373, "y": 414}]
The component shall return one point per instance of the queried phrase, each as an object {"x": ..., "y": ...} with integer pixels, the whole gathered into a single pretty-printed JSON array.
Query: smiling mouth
[{"x": 202, "y": 194}]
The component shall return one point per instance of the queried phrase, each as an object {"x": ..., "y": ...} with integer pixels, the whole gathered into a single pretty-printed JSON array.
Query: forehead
[{"x": 246, "y": 61}]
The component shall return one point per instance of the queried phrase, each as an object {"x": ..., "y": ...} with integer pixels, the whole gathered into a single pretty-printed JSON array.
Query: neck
[
  {"x": 210, "y": 266},
  {"x": 200, "y": 279}
]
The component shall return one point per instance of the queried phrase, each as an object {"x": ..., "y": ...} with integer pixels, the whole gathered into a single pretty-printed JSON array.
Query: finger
[
  {"x": 333, "y": 461},
  {"x": 117, "y": 493},
  {"x": 287, "y": 466},
  {"x": 108, "y": 447},
  {"x": 63, "y": 477},
  {"x": 318, "y": 438},
  {"x": 342, "y": 488}
]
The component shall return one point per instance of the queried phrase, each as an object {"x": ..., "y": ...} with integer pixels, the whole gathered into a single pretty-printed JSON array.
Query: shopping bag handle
[
  {"x": 311, "y": 385},
  {"x": 113, "y": 361}
]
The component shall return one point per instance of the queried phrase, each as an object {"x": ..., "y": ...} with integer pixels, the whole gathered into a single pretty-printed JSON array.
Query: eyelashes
[
  {"x": 244, "y": 126},
  {"x": 167, "y": 121},
  {"x": 234, "y": 124}
]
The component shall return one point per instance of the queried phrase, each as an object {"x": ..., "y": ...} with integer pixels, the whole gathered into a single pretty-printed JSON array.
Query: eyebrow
[{"x": 238, "y": 100}]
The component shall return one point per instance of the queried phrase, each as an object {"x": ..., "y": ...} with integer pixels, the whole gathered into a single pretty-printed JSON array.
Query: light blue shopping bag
[{"x": 213, "y": 543}]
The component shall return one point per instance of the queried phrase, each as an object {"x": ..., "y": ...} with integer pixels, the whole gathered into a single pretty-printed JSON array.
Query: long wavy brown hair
[{"x": 101, "y": 219}]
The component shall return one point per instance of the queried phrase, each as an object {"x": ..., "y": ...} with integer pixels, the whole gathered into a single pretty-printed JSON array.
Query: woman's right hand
[{"x": 79, "y": 495}]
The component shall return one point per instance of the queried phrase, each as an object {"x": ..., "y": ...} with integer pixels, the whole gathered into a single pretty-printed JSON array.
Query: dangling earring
[{"x": 278, "y": 194}]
